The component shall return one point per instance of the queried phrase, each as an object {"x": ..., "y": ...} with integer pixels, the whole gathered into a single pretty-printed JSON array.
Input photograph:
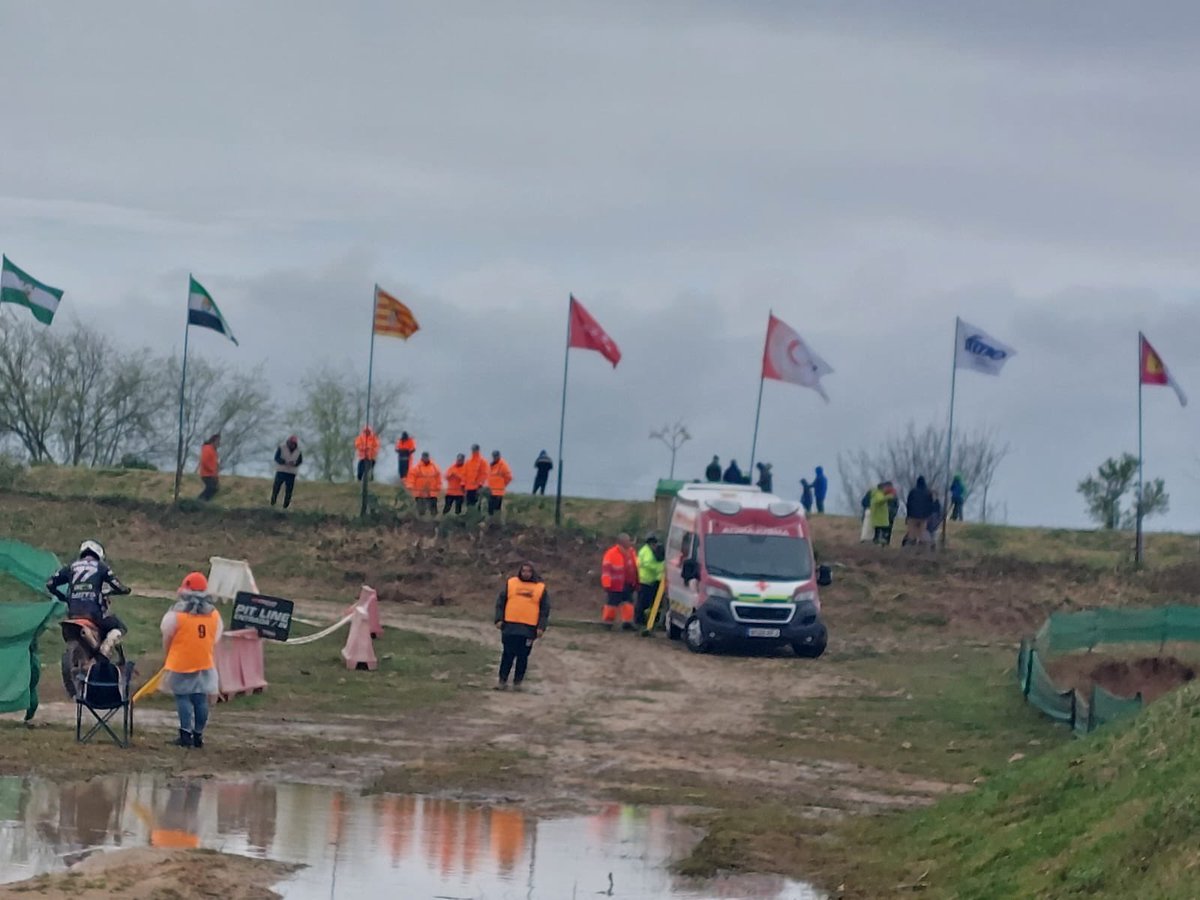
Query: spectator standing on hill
[
  {"x": 543, "y": 464},
  {"x": 425, "y": 483},
  {"x": 958, "y": 493},
  {"x": 405, "y": 448},
  {"x": 366, "y": 446},
  {"x": 806, "y": 495},
  {"x": 619, "y": 578},
  {"x": 454, "y": 486},
  {"x": 210, "y": 467},
  {"x": 934, "y": 523},
  {"x": 917, "y": 508},
  {"x": 713, "y": 472},
  {"x": 820, "y": 489},
  {"x": 522, "y": 614},
  {"x": 288, "y": 459},
  {"x": 877, "y": 503},
  {"x": 475, "y": 474},
  {"x": 765, "y": 481},
  {"x": 733, "y": 474},
  {"x": 650, "y": 571},
  {"x": 893, "y": 508},
  {"x": 498, "y": 479}
]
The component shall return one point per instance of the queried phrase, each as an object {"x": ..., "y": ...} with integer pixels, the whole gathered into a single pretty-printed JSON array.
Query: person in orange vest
[
  {"x": 190, "y": 631},
  {"x": 475, "y": 474},
  {"x": 499, "y": 476},
  {"x": 455, "y": 479},
  {"x": 367, "y": 447},
  {"x": 405, "y": 448},
  {"x": 618, "y": 577},
  {"x": 522, "y": 612},
  {"x": 425, "y": 482},
  {"x": 210, "y": 467}
]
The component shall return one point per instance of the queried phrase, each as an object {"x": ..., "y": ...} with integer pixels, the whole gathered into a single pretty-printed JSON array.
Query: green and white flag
[
  {"x": 203, "y": 312},
  {"x": 17, "y": 287}
]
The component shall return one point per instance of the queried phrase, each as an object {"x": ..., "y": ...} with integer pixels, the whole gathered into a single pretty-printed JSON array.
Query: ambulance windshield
[{"x": 758, "y": 557}]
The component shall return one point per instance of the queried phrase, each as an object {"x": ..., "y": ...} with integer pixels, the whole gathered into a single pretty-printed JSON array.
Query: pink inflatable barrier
[
  {"x": 359, "y": 652},
  {"x": 240, "y": 667},
  {"x": 369, "y": 599}
]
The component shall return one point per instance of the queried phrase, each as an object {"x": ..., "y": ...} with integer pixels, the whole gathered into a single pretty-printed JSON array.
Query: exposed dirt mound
[{"x": 1150, "y": 676}]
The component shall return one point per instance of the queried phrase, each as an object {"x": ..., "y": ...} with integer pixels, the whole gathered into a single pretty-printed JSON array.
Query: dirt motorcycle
[{"x": 83, "y": 647}]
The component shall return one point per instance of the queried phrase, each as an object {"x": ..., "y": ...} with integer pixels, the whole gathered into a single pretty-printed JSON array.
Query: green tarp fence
[
  {"x": 1068, "y": 632},
  {"x": 22, "y": 623}
]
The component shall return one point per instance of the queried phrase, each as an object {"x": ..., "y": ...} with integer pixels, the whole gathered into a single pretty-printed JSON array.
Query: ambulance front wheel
[
  {"x": 811, "y": 647},
  {"x": 693, "y": 635}
]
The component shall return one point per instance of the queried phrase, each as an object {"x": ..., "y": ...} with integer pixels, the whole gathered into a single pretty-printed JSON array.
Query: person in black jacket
[
  {"x": 522, "y": 613},
  {"x": 918, "y": 509},
  {"x": 713, "y": 472},
  {"x": 733, "y": 473},
  {"x": 543, "y": 464},
  {"x": 765, "y": 481}
]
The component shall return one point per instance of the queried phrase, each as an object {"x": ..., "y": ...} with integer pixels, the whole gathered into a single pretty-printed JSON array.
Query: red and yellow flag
[
  {"x": 392, "y": 317},
  {"x": 1154, "y": 371}
]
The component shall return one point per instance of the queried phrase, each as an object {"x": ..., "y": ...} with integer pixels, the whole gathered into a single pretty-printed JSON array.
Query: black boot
[
  {"x": 184, "y": 739},
  {"x": 198, "y": 739}
]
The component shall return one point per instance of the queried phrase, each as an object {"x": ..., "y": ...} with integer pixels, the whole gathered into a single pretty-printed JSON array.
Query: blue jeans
[{"x": 193, "y": 712}]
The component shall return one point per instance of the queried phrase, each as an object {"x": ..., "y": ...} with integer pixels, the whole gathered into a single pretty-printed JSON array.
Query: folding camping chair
[{"x": 104, "y": 692}]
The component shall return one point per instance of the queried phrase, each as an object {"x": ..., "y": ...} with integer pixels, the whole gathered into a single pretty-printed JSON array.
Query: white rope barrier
[{"x": 308, "y": 639}]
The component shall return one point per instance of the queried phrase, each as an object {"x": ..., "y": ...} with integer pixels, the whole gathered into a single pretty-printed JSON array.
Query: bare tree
[
  {"x": 33, "y": 382},
  {"x": 330, "y": 415},
  {"x": 674, "y": 437},
  {"x": 916, "y": 451}
]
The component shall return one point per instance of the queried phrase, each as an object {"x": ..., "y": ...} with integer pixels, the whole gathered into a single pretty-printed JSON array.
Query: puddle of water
[{"x": 360, "y": 847}]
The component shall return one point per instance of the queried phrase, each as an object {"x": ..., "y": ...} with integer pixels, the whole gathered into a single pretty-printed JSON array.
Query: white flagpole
[
  {"x": 950, "y": 432},
  {"x": 367, "y": 470},
  {"x": 179, "y": 456}
]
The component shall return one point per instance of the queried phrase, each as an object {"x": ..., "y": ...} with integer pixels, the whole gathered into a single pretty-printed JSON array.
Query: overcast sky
[{"x": 868, "y": 170}]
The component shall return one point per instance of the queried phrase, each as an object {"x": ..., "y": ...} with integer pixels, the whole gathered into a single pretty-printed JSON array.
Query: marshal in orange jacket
[
  {"x": 475, "y": 471},
  {"x": 367, "y": 444},
  {"x": 499, "y": 476},
  {"x": 618, "y": 570},
  {"x": 425, "y": 479},
  {"x": 209, "y": 463}
]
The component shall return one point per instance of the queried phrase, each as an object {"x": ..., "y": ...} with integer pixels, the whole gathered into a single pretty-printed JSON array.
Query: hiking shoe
[
  {"x": 184, "y": 739},
  {"x": 517, "y": 686},
  {"x": 501, "y": 686},
  {"x": 197, "y": 740}
]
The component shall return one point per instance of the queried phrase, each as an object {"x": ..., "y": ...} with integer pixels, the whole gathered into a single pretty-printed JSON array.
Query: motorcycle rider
[{"x": 86, "y": 598}]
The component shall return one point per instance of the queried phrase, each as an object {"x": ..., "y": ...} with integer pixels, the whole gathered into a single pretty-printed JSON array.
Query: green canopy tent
[
  {"x": 22, "y": 623},
  {"x": 29, "y": 565}
]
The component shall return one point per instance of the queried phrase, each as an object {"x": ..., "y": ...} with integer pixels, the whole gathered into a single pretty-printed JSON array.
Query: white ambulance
[{"x": 739, "y": 568}]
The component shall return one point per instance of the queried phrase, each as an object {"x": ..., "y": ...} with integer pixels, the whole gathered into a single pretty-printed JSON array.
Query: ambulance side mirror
[
  {"x": 824, "y": 576},
  {"x": 690, "y": 571}
]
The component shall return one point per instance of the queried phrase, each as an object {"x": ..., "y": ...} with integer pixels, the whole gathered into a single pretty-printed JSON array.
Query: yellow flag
[{"x": 392, "y": 317}]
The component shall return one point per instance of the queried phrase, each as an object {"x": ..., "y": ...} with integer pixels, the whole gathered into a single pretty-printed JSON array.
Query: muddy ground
[{"x": 1148, "y": 676}]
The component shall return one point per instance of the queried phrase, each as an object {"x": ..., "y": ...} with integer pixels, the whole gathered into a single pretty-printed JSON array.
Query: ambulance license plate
[{"x": 762, "y": 632}]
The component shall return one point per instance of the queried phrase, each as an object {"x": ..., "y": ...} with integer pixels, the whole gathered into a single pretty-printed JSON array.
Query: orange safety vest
[
  {"x": 524, "y": 604},
  {"x": 455, "y": 476},
  {"x": 209, "y": 463},
  {"x": 499, "y": 475},
  {"x": 194, "y": 642},
  {"x": 367, "y": 445},
  {"x": 475, "y": 472},
  {"x": 408, "y": 446},
  {"x": 613, "y": 570},
  {"x": 425, "y": 479}
]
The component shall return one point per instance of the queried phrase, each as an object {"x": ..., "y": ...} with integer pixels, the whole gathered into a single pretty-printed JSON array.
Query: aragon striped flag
[
  {"x": 392, "y": 317},
  {"x": 203, "y": 312},
  {"x": 17, "y": 287}
]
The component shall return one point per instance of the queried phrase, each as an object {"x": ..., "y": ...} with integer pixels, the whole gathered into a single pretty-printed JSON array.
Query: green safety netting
[
  {"x": 29, "y": 565},
  {"x": 1067, "y": 632}
]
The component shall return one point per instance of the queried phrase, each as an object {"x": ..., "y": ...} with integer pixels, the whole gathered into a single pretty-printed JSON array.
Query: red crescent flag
[
  {"x": 787, "y": 358},
  {"x": 585, "y": 333},
  {"x": 1154, "y": 371}
]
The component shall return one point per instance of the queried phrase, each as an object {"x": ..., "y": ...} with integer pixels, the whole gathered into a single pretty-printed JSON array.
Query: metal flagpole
[
  {"x": 1139, "y": 547},
  {"x": 757, "y": 415},
  {"x": 362, "y": 511},
  {"x": 950, "y": 435},
  {"x": 182, "y": 386},
  {"x": 562, "y": 421}
]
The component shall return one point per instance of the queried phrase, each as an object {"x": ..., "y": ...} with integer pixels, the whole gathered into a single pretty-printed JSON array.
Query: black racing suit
[{"x": 85, "y": 580}]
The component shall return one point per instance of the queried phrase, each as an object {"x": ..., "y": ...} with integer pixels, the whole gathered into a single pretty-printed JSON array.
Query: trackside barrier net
[{"x": 1068, "y": 632}]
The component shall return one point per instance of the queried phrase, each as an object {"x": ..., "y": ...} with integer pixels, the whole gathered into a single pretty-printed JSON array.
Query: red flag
[
  {"x": 585, "y": 332},
  {"x": 1154, "y": 371}
]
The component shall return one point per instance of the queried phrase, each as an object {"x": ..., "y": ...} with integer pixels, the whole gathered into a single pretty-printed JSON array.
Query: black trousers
[
  {"x": 473, "y": 498},
  {"x": 955, "y": 509},
  {"x": 287, "y": 481},
  {"x": 456, "y": 502},
  {"x": 365, "y": 468},
  {"x": 403, "y": 466},
  {"x": 516, "y": 650},
  {"x": 212, "y": 484},
  {"x": 427, "y": 505},
  {"x": 494, "y": 504},
  {"x": 820, "y": 504},
  {"x": 645, "y": 600},
  {"x": 539, "y": 482}
]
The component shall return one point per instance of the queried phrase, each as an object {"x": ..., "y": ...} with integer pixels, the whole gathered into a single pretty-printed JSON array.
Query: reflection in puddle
[{"x": 362, "y": 847}]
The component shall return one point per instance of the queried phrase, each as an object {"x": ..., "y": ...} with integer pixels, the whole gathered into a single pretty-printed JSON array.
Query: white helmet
[{"x": 92, "y": 547}]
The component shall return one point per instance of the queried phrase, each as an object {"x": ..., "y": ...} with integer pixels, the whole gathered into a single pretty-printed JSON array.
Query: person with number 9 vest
[
  {"x": 190, "y": 631},
  {"x": 522, "y": 611}
]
